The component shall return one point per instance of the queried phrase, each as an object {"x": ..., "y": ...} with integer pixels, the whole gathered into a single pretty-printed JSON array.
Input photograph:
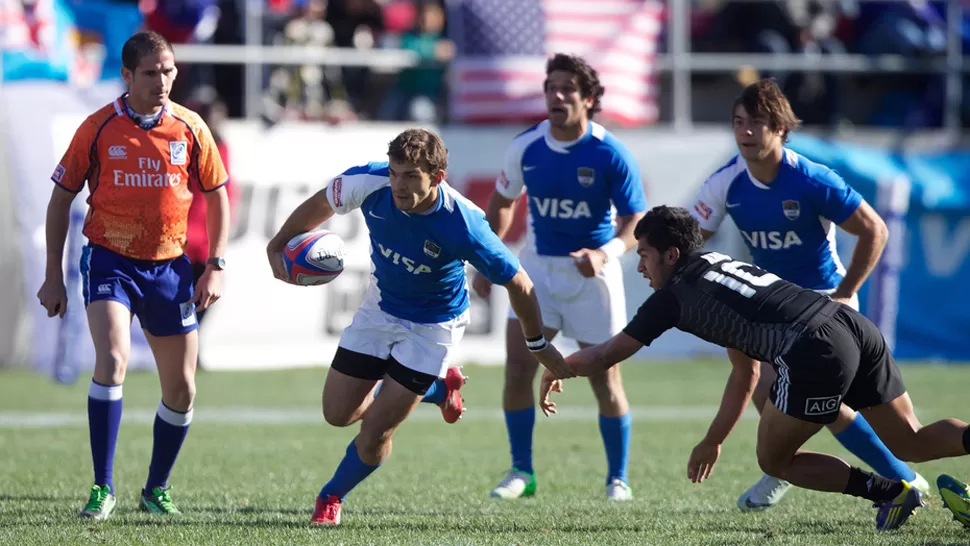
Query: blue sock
[
  {"x": 616, "y": 440},
  {"x": 170, "y": 430},
  {"x": 519, "y": 424},
  {"x": 435, "y": 395},
  {"x": 104, "y": 420},
  {"x": 350, "y": 472},
  {"x": 862, "y": 442}
]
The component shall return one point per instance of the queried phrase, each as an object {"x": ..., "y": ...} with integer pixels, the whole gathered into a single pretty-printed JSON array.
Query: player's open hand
[
  {"x": 208, "y": 290},
  {"x": 702, "y": 461},
  {"x": 481, "y": 285},
  {"x": 589, "y": 262},
  {"x": 548, "y": 385},
  {"x": 53, "y": 296}
]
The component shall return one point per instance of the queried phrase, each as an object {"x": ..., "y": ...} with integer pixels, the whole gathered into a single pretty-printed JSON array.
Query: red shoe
[
  {"x": 327, "y": 512},
  {"x": 452, "y": 408}
]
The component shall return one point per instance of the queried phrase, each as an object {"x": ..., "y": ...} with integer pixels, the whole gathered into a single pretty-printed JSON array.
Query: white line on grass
[{"x": 284, "y": 416}]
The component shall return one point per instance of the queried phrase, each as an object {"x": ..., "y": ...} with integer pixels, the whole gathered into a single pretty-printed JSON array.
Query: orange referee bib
[{"x": 139, "y": 178}]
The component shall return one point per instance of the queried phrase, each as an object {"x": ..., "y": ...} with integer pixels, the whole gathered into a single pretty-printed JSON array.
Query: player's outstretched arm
[
  {"x": 866, "y": 224},
  {"x": 310, "y": 214},
  {"x": 522, "y": 298},
  {"x": 53, "y": 294},
  {"x": 587, "y": 362},
  {"x": 740, "y": 386}
]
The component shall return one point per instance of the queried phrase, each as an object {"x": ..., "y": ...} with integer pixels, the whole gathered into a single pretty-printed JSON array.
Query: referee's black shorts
[{"x": 846, "y": 360}]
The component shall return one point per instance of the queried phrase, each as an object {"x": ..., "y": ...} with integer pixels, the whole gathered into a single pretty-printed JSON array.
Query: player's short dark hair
[
  {"x": 765, "y": 98},
  {"x": 421, "y": 147},
  {"x": 586, "y": 76},
  {"x": 666, "y": 227},
  {"x": 141, "y": 44}
]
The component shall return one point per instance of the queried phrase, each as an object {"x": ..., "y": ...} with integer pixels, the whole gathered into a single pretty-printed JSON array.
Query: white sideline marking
[{"x": 284, "y": 416}]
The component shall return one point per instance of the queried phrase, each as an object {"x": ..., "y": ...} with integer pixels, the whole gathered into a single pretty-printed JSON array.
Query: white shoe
[
  {"x": 919, "y": 482},
  {"x": 516, "y": 485},
  {"x": 619, "y": 490},
  {"x": 763, "y": 495}
]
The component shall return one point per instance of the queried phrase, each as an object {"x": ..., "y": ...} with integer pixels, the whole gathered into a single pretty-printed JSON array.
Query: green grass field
[{"x": 259, "y": 451}]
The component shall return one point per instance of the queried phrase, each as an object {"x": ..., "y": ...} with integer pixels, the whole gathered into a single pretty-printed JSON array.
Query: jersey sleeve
[
  {"x": 209, "y": 167},
  {"x": 838, "y": 199},
  {"x": 626, "y": 186},
  {"x": 657, "y": 315},
  {"x": 485, "y": 251},
  {"x": 510, "y": 181},
  {"x": 710, "y": 206},
  {"x": 348, "y": 191},
  {"x": 73, "y": 169}
]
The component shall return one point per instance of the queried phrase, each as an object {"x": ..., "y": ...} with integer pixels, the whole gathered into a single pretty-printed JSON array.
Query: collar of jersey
[
  {"x": 564, "y": 147},
  {"x": 133, "y": 116}
]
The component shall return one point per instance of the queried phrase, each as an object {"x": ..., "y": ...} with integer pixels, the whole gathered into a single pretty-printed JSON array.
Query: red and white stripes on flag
[{"x": 503, "y": 46}]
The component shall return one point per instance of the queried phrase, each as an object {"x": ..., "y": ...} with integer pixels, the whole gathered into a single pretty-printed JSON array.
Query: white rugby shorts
[
  {"x": 424, "y": 348},
  {"x": 587, "y": 310}
]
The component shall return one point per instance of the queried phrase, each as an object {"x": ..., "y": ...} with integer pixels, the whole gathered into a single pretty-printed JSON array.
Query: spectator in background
[
  {"x": 307, "y": 92},
  {"x": 185, "y": 22},
  {"x": 356, "y": 24},
  {"x": 786, "y": 27},
  {"x": 205, "y": 102},
  {"x": 418, "y": 92},
  {"x": 914, "y": 29}
]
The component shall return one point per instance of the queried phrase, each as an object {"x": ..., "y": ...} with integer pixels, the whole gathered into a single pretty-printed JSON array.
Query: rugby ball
[{"x": 314, "y": 258}]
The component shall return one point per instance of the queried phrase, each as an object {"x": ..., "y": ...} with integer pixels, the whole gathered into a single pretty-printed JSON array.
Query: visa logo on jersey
[
  {"x": 772, "y": 240},
  {"x": 408, "y": 263},
  {"x": 550, "y": 207}
]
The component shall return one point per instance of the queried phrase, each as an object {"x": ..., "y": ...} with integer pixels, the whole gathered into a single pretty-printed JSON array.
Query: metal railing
[{"x": 680, "y": 62}]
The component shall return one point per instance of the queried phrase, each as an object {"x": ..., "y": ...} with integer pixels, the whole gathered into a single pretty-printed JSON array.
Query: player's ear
[
  {"x": 126, "y": 75},
  {"x": 672, "y": 255},
  {"x": 438, "y": 177}
]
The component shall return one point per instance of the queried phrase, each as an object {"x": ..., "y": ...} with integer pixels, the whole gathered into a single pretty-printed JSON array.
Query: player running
[
  {"x": 787, "y": 209},
  {"x": 825, "y": 354},
  {"x": 575, "y": 174},
  {"x": 415, "y": 310},
  {"x": 139, "y": 155}
]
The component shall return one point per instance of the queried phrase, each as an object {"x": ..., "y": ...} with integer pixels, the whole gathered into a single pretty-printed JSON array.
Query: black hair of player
[
  {"x": 587, "y": 78},
  {"x": 141, "y": 44},
  {"x": 666, "y": 227},
  {"x": 765, "y": 98}
]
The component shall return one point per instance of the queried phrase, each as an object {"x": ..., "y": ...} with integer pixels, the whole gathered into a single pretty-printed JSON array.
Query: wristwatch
[{"x": 218, "y": 263}]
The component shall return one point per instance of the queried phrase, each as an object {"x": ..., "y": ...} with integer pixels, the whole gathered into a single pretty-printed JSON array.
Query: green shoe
[
  {"x": 158, "y": 502},
  {"x": 100, "y": 505},
  {"x": 516, "y": 485}
]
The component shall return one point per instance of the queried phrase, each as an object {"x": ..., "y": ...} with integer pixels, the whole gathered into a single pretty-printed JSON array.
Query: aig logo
[{"x": 821, "y": 406}]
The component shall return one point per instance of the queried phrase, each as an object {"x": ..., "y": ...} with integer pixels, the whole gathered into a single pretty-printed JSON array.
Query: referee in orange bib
[{"x": 140, "y": 156}]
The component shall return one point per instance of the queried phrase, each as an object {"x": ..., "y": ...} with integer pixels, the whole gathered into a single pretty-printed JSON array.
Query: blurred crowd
[{"x": 915, "y": 29}]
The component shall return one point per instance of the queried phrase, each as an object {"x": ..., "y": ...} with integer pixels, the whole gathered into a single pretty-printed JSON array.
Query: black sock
[
  {"x": 870, "y": 486},
  {"x": 966, "y": 439}
]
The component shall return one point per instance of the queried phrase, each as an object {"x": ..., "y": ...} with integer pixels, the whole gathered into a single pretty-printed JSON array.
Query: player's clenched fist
[{"x": 53, "y": 296}]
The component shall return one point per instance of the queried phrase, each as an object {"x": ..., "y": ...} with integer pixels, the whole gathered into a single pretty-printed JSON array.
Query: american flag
[{"x": 503, "y": 45}]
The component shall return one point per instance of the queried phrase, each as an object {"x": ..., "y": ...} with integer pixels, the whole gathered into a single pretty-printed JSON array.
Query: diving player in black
[{"x": 825, "y": 354}]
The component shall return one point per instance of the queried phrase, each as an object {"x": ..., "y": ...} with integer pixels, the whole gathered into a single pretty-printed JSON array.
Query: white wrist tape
[
  {"x": 536, "y": 344},
  {"x": 614, "y": 249}
]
